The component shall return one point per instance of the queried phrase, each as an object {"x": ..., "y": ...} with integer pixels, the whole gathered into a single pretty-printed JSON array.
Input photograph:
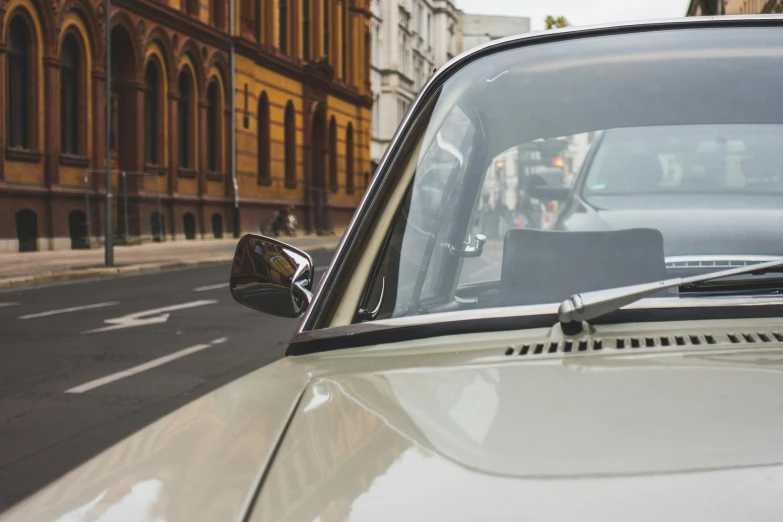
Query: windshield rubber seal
[{"x": 369, "y": 334}]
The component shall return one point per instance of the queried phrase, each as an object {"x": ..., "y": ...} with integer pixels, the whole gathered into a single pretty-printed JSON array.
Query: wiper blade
[{"x": 589, "y": 305}]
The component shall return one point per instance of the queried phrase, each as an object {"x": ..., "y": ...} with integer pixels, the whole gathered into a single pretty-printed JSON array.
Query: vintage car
[{"x": 439, "y": 374}]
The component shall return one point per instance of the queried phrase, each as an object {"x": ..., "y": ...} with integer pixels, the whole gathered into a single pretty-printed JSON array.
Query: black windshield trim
[{"x": 369, "y": 334}]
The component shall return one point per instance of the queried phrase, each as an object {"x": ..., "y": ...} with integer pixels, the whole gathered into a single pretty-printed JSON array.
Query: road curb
[{"x": 108, "y": 272}]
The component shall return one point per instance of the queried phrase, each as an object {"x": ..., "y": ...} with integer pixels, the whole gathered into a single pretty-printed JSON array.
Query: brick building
[{"x": 302, "y": 117}]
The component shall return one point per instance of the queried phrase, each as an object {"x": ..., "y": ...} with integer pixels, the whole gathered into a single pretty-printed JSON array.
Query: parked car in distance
[
  {"x": 572, "y": 374},
  {"x": 713, "y": 190}
]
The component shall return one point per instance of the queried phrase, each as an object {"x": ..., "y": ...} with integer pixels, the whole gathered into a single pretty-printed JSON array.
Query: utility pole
[
  {"x": 233, "y": 144},
  {"x": 109, "y": 242}
]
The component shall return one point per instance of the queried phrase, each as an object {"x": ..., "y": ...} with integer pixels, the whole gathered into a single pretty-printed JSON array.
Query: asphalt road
[{"x": 73, "y": 383}]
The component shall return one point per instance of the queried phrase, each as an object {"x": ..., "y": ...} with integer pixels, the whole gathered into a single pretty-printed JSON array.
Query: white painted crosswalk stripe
[
  {"x": 3, "y": 305},
  {"x": 143, "y": 367},
  {"x": 67, "y": 310}
]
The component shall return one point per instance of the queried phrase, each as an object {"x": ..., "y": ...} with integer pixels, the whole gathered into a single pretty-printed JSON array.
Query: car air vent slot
[
  {"x": 622, "y": 343},
  {"x": 556, "y": 347}
]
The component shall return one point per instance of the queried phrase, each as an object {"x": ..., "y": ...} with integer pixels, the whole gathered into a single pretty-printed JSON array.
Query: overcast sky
[{"x": 578, "y": 12}]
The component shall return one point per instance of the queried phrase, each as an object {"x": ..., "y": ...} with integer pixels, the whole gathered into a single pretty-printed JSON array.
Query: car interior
[{"x": 417, "y": 269}]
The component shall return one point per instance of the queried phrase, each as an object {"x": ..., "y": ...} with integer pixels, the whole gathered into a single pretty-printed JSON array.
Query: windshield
[{"x": 587, "y": 164}]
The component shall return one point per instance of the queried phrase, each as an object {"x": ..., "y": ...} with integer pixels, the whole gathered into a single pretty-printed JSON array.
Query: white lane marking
[
  {"x": 3, "y": 305},
  {"x": 210, "y": 287},
  {"x": 321, "y": 268},
  {"x": 66, "y": 310},
  {"x": 143, "y": 367},
  {"x": 141, "y": 319}
]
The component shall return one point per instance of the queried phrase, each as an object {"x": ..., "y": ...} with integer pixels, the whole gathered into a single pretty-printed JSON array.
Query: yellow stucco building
[{"x": 302, "y": 124}]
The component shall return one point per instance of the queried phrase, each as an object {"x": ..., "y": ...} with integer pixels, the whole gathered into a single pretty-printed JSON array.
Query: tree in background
[{"x": 551, "y": 22}]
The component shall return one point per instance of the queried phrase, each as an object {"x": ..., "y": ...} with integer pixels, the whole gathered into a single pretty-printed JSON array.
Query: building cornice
[
  {"x": 312, "y": 73},
  {"x": 167, "y": 16}
]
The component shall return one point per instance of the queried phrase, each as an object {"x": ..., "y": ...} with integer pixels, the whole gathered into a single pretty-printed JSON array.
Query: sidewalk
[{"x": 36, "y": 268}]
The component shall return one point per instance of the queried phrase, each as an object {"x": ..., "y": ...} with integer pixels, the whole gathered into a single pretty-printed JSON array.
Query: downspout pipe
[{"x": 233, "y": 133}]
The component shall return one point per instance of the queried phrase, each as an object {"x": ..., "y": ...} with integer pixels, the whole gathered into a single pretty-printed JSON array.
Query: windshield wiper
[{"x": 589, "y": 305}]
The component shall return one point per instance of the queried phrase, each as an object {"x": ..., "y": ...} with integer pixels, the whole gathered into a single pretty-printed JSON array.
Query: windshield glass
[{"x": 592, "y": 163}]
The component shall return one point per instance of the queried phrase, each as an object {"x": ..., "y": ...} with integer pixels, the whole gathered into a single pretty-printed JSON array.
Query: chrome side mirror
[
  {"x": 468, "y": 250},
  {"x": 271, "y": 276}
]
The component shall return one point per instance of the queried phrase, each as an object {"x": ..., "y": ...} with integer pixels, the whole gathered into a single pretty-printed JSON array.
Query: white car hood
[{"x": 680, "y": 436}]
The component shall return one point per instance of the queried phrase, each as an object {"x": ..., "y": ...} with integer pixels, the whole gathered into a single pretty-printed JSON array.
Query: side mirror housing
[{"x": 271, "y": 276}]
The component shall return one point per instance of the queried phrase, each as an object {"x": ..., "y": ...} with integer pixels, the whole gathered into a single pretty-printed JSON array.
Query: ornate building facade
[
  {"x": 738, "y": 7},
  {"x": 302, "y": 101}
]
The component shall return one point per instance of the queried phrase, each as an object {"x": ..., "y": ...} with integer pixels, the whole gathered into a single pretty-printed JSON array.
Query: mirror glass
[{"x": 272, "y": 277}]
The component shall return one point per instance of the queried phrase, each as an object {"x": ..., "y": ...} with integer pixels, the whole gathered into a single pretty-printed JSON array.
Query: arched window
[
  {"x": 282, "y": 26},
  {"x": 69, "y": 96},
  {"x": 349, "y": 159},
  {"x": 325, "y": 19},
  {"x": 151, "y": 126},
  {"x": 258, "y": 19},
  {"x": 263, "y": 147},
  {"x": 19, "y": 91},
  {"x": 344, "y": 38},
  {"x": 219, "y": 13},
  {"x": 213, "y": 134},
  {"x": 306, "y": 29},
  {"x": 290, "y": 146},
  {"x": 333, "y": 155},
  {"x": 183, "y": 119}
]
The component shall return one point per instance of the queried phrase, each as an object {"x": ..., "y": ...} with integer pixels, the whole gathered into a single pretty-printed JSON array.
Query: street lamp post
[{"x": 109, "y": 242}]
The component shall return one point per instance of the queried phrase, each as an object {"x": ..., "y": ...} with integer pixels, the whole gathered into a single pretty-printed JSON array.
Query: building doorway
[
  {"x": 217, "y": 226},
  {"x": 27, "y": 230},
  {"x": 189, "y": 221},
  {"x": 77, "y": 229}
]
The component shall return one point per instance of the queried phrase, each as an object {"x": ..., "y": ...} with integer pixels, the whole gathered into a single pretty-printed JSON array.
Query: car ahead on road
[
  {"x": 439, "y": 374},
  {"x": 685, "y": 181}
]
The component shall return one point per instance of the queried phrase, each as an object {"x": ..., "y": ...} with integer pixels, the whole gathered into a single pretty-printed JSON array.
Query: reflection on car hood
[
  {"x": 680, "y": 437},
  {"x": 453, "y": 429}
]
